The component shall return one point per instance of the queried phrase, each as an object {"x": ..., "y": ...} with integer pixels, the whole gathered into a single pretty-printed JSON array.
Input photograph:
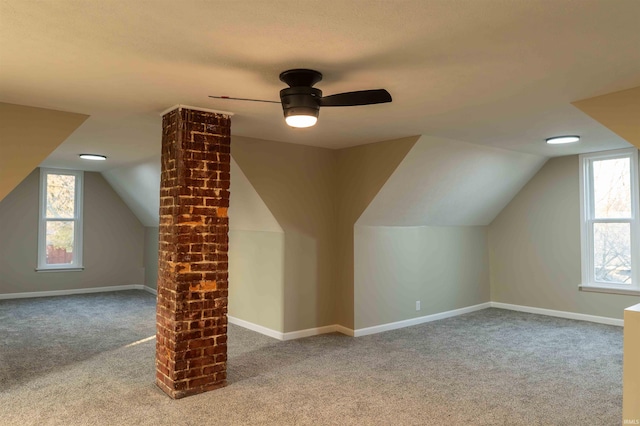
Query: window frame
[
  {"x": 76, "y": 264},
  {"x": 587, "y": 221}
]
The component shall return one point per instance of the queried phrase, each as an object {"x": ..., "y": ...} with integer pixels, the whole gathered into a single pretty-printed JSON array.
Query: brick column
[{"x": 191, "y": 315}]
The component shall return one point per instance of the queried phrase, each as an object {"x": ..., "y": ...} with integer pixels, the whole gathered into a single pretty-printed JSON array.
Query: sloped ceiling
[
  {"x": 498, "y": 73},
  {"x": 619, "y": 112},
  {"x": 443, "y": 182},
  {"x": 27, "y": 136},
  {"x": 139, "y": 187}
]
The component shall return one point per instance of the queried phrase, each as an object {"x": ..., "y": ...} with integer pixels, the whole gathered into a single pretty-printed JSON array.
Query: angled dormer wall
[
  {"x": 362, "y": 171},
  {"x": 424, "y": 236},
  {"x": 28, "y": 135},
  {"x": 444, "y": 182},
  {"x": 138, "y": 185},
  {"x": 256, "y": 257},
  {"x": 298, "y": 184},
  {"x": 355, "y": 236},
  {"x": 618, "y": 111},
  {"x": 256, "y": 241}
]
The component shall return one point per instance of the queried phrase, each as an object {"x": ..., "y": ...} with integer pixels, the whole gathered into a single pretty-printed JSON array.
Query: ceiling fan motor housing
[{"x": 300, "y": 100}]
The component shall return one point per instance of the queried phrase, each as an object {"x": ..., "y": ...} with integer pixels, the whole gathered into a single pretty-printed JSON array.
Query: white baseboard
[
  {"x": 336, "y": 327},
  {"x": 420, "y": 320},
  {"x": 344, "y": 330},
  {"x": 150, "y": 290},
  {"x": 448, "y": 314},
  {"x": 292, "y": 335},
  {"x": 255, "y": 327},
  {"x": 73, "y": 291},
  {"x": 559, "y": 314}
]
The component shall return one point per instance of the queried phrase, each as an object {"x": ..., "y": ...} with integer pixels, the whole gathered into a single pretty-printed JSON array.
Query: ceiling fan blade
[
  {"x": 244, "y": 99},
  {"x": 362, "y": 97}
]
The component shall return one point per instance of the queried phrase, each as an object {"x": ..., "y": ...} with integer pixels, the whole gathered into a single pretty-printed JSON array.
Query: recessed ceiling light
[
  {"x": 556, "y": 140},
  {"x": 95, "y": 157}
]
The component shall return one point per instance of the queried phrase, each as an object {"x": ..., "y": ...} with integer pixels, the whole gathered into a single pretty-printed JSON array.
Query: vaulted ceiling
[
  {"x": 443, "y": 182},
  {"x": 498, "y": 73}
]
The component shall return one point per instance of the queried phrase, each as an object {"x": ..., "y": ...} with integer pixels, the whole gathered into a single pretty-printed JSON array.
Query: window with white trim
[
  {"x": 610, "y": 219},
  {"x": 60, "y": 227}
]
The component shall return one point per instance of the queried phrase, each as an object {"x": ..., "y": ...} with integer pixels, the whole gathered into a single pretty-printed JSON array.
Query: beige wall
[
  {"x": 631, "y": 368},
  {"x": 256, "y": 256},
  {"x": 534, "y": 247},
  {"x": 113, "y": 241},
  {"x": 444, "y": 268},
  {"x": 292, "y": 215},
  {"x": 285, "y": 248},
  {"x": 150, "y": 256},
  {"x": 256, "y": 269},
  {"x": 256, "y": 277},
  {"x": 361, "y": 171},
  {"x": 298, "y": 184}
]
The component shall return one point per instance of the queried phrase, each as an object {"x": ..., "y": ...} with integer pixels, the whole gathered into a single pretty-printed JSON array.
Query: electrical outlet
[{"x": 417, "y": 305}]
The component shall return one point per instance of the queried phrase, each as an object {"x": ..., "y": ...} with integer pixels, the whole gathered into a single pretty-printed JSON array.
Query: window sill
[
  {"x": 78, "y": 269},
  {"x": 629, "y": 291}
]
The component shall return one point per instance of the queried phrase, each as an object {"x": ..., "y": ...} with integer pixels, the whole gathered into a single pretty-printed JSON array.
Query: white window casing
[
  {"x": 76, "y": 219},
  {"x": 588, "y": 222}
]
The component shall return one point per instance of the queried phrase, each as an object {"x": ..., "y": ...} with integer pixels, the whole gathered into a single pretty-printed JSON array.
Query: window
[
  {"x": 60, "y": 230},
  {"x": 610, "y": 223}
]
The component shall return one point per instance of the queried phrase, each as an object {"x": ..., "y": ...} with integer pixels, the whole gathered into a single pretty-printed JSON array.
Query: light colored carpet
[{"x": 69, "y": 361}]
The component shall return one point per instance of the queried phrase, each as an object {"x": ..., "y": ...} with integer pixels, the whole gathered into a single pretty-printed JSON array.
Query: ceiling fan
[{"x": 301, "y": 101}]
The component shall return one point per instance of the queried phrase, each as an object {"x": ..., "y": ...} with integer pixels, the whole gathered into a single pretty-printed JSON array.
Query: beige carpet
[{"x": 74, "y": 361}]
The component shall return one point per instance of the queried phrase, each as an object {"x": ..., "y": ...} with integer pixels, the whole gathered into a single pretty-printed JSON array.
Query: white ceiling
[{"x": 495, "y": 72}]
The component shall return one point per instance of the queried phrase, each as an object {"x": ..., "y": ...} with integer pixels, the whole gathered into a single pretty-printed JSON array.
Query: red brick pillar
[{"x": 191, "y": 315}]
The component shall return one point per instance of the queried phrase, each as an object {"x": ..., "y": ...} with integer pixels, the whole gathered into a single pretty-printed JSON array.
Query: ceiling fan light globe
[{"x": 301, "y": 121}]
